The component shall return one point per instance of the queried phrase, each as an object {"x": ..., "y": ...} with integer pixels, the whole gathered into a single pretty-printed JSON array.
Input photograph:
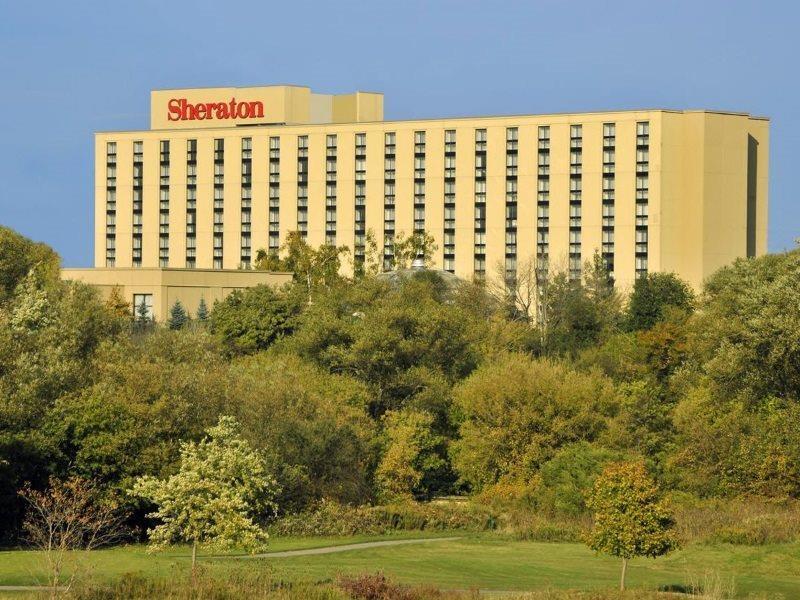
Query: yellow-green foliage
[
  {"x": 517, "y": 412},
  {"x": 408, "y": 454},
  {"x": 630, "y": 518},
  {"x": 208, "y": 502}
]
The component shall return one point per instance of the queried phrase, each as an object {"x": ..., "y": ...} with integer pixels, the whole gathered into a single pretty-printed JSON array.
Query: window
[
  {"x": 543, "y": 193},
  {"x": 642, "y": 195},
  {"x": 480, "y": 140},
  {"x": 449, "y": 141},
  {"x": 143, "y": 300}
]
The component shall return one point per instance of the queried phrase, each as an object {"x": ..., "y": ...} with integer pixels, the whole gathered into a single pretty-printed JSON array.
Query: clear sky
[{"x": 68, "y": 69}]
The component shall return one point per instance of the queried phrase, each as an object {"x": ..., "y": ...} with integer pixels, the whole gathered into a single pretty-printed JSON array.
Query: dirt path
[{"x": 343, "y": 548}]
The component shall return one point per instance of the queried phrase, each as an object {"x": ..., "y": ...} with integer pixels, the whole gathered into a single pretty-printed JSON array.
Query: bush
[
  {"x": 563, "y": 481},
  {"x": 332, "y": 519},
  {"x": 254, "y": 586},
  {"x": 528, "y": 525},
  {"x": 378, "y": 587}
]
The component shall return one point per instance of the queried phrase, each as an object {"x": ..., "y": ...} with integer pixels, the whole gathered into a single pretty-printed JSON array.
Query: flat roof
[{"x": 462, "y": 118}]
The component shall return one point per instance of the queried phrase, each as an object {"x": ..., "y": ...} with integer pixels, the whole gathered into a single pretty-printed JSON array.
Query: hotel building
[{"x": 224, "y": 172}]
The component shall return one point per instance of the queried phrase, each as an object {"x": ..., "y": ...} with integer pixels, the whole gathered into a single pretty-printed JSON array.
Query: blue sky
[{"x": 68, "y": 69}]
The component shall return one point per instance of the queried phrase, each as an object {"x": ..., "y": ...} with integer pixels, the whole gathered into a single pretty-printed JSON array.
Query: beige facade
[
  {"x": 161, "y": 288},
  {"x": 236, "y": 170}
]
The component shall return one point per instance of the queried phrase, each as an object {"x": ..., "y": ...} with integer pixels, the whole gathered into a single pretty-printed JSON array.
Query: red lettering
[
  {"x": 174, "y": 107},
  {"x": 179, "y": 109},
  {"x": 256, "y": 110}
]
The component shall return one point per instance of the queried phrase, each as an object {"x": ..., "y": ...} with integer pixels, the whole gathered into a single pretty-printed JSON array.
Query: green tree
[
  {"x": 744, "y": 335},
  {"x": 419, "y": 244},
  {"x": 202, "y": 311},
  {"x": 409, "y": 454},
  {"x": 209, "y": 502},
  {"x": 730, "y": 447},
  {"x": 177, "y": 316},
  {"x": 630, "y": 518},
  {"x": 563, "y": 482},
  {"x": 251, "y": 320},
  {"x": 143, "y": 395},
  {"x": 312, "y": 427},
  {"x": 578, "y": 314},
  {"x": 652, "y": 294},
  {"x": 142, "y": 319},
  {"x": 517, "y": 412},
  {"x": 49, "y": 335},
  {"x": 376, "y": 333},
  {"x": 19, "y": 256},
  {"x": 312, "y": 268}
]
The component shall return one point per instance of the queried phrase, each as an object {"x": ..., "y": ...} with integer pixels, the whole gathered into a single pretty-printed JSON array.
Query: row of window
[{"x": 512, "y": 142}]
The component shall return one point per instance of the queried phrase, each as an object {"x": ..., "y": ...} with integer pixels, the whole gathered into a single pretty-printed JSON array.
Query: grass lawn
[{"x": 482, "y": 561}]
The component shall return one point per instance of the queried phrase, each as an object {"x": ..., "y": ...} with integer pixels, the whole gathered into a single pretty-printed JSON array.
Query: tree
[
  {"x": 145, "y": 394},
  {"x": 177, "y": 316},
  {"x": 69, "y": 515},
  {"x": 142, "y": 319},
  {"x": 409, "y": 454},
  {"x": 579, "y": 314},
  {"x": 419, "y": 244},
  {"x": 517, "y": 412},
  {"x": 630, "y": 518},
  {"x": 311, "y": 425},
  {"x": 49, "y": 333},
  {"x": 372, "y": 262},
  {"x": 744, "y": 337},
  {"x": 208, "y": 503},
  {"x": 117, "y": 304},
  {"x": 376, "y": 333},
  {"x": 563, "y": 482},
  {"x": 312, "y": 268},
  {"x": 652, "y": 294},
  {"x": 523, "y": 295},
  {"x": 202, "y": 311},
  {"x": 19, "y": 256},
  {"x": 251, "y": 320}
]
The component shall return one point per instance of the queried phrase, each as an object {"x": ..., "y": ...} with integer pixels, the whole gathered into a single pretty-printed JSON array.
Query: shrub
[
  {"x": 332, "y": 519},
  {"x": 237, "y": 585},
  {"x": 378, "y": 587},
  {"x": 564, "y": 481}
]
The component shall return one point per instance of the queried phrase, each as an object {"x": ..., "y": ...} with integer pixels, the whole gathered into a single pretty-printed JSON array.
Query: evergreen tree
[
  {"x": 652, "y": 294},
  {"x": 178, "y": 318},
  {"x": 202, "y": 310},
  {"x": 142, "y": 315},
  {"x": 117, "y": 304}
]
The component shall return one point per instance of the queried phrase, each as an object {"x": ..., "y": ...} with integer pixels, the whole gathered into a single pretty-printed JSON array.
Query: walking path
[
  {"x": 283, "y": 554},
  {"x": 343, "y": 548},
  {"x": 29, "y": 588}
]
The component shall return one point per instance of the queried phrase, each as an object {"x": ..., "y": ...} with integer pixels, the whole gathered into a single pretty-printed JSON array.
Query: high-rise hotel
[{"x": 224, "y": 172}]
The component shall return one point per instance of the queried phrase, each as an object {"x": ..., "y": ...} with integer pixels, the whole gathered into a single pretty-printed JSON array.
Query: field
[{"x": 486, "y": 562}]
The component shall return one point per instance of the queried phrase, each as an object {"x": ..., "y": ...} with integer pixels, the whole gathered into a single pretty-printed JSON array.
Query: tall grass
[{"x": 743, "y": 521}]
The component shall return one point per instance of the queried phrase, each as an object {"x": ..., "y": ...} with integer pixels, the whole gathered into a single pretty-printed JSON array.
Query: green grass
[{"x": 482, "y": 561}]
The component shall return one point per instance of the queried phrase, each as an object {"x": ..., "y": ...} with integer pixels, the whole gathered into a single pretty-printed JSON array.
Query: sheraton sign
[{"x": 179, "y": 109}]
